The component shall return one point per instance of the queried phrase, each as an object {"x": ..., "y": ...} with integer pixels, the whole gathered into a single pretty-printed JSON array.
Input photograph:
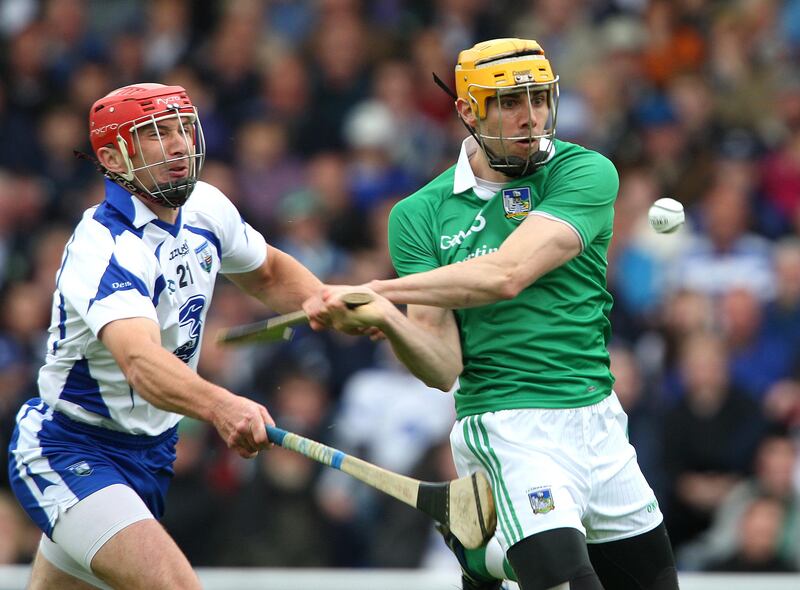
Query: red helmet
[{"x": 114, "y": 121}]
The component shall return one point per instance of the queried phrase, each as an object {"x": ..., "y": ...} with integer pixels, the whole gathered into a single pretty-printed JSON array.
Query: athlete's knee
[{"x": 549, "y": 560}]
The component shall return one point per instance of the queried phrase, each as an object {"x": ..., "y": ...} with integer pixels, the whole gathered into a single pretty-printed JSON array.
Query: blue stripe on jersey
[
  {"x": 82, "y": 389},
  {"x": 62, "y": 322},
  {"x": 244, "y": 230},
  {"x": 161, "y": 283},
  {"x": 117, "y": 278},
  {"x": 114, "y": 220},
  {"x": 62, "y": 312},
  {"x": 172, "y": 228},
  {"x": 209, "y": 235}
]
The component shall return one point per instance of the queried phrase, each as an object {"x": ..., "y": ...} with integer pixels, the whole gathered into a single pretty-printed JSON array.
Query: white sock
[{"x": 495, "y": 556}]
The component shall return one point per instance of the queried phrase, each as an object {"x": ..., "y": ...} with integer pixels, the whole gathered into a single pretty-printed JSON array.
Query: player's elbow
[
  {"x": 509, "y": 284},
  {"x": 444, "y": 380},
  {"x": 444, "y": 384}
]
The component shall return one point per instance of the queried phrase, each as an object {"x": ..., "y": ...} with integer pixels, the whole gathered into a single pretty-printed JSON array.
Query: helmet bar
[{"x": 171, "y": 194}]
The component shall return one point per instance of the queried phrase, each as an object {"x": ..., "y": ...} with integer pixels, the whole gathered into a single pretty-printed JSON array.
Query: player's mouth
[{"x": 178, "y": 172}]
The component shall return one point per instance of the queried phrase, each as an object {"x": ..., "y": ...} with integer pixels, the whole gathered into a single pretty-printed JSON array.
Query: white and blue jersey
[
  {"x": 91, "y": 429},
  {"x": 123, "y": 262}
]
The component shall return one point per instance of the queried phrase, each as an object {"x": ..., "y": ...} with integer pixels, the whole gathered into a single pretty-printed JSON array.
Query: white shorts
[
  {"x": 85, "y": 527},
  {"x": 555, "y": 468}
]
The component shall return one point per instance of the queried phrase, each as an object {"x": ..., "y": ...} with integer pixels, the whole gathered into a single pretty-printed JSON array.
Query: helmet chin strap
[
  {"x": 511, "y": 166},
  {"x": 173, "y": 194}
]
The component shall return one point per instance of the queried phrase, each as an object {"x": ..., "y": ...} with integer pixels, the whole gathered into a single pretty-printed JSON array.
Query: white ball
[{"x": 666, "y": 215}]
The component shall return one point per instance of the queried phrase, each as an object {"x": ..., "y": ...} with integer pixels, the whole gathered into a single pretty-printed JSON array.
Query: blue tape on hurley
[{"x": 276, "y": 435}]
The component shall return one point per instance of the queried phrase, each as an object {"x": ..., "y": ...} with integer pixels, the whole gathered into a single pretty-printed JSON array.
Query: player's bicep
[
  {"x": 539, "y": 245},
  {"x": 126, "y": 338}
]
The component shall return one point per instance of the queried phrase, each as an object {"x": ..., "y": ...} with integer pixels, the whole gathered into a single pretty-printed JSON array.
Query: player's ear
[
  {"x": 111, "y": 159},
  {"x": 465, "y": 112}
]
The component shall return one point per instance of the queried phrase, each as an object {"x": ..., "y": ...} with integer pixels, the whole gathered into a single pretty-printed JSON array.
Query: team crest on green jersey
[{"x": 517, "y": 202}]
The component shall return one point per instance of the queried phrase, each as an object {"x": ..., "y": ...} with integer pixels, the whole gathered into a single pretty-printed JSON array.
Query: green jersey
[{"x": 546, "y": 348}]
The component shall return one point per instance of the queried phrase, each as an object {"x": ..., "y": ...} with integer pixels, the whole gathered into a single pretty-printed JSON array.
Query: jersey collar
[
  {"x": 464, "y": 178},
  {"x": 136, "y": 212}
]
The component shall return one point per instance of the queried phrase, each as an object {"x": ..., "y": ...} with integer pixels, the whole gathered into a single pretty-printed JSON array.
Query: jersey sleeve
[
  {"x": 412, "y": 244},
  {"x": 242, "y": 247},
  {"x": 106, "y": 279},
  {"x": 582, "y": 192}
]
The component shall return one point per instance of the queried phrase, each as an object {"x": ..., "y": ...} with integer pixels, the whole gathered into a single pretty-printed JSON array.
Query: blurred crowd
[{"x": 319, "y": 115}]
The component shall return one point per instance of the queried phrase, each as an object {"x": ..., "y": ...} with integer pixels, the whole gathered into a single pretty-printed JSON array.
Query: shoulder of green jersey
[{"x": 558, "y": 219}]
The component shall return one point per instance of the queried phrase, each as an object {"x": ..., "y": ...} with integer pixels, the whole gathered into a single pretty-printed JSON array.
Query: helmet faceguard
[
  {"x": 123, "y": 118},
  {"x": 493, "y": 70}
]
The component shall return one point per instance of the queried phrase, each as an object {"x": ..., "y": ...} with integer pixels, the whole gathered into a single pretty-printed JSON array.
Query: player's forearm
[
  {"x": 427, "y": 354},
  {"x": 165, "y": 381},
  {"x": 535, "y": 248},
  {"x": 477, "y": 282},
  {"x": 282, "y": 283}
]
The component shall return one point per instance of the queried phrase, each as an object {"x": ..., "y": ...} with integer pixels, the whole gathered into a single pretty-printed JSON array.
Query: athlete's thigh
[
  {"x": 622, "y": 504},
  {"x": 643, "y": 562},
  {"x": 46, "y": 576},
  {"x": 52, "y": 469},
  {"x": 554, "y": 560},
  {"x": 143, "y": 556},
  {"x": 538, "y": 479}
]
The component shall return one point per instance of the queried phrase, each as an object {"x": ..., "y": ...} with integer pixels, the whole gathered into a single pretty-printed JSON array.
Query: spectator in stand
[
  {"x": 758, "y": 537},
  {"x": 726, "y": 254},
  {"x": 285, "y": 96},
  {"x": 773, "y": 478},
  {"x": 265, "y": 170},
  {"x": 276, "y": 517},
  {"x": 419, "y": 141},
  {"x": 782, "y": 315},
  {"x": 302, "y": 227},
  {"x": 710, "y": 438},
  {"x": 341, "y": 76},
  {"x": 758, "y": 358},
  {"x": 780, "y": 176},
  {"x": 328, "y": 178},
  {"x": 371, "y": 131},
  {"x": 195, "y": 505}
]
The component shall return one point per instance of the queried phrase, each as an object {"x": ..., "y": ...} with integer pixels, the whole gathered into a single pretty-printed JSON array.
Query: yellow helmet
[
  {"x": 500, "y": 64},
  {"x": 500, "y": 67}
]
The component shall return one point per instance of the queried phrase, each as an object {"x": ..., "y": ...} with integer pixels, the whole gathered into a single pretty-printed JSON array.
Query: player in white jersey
[{"x": 91, "y": 458}]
